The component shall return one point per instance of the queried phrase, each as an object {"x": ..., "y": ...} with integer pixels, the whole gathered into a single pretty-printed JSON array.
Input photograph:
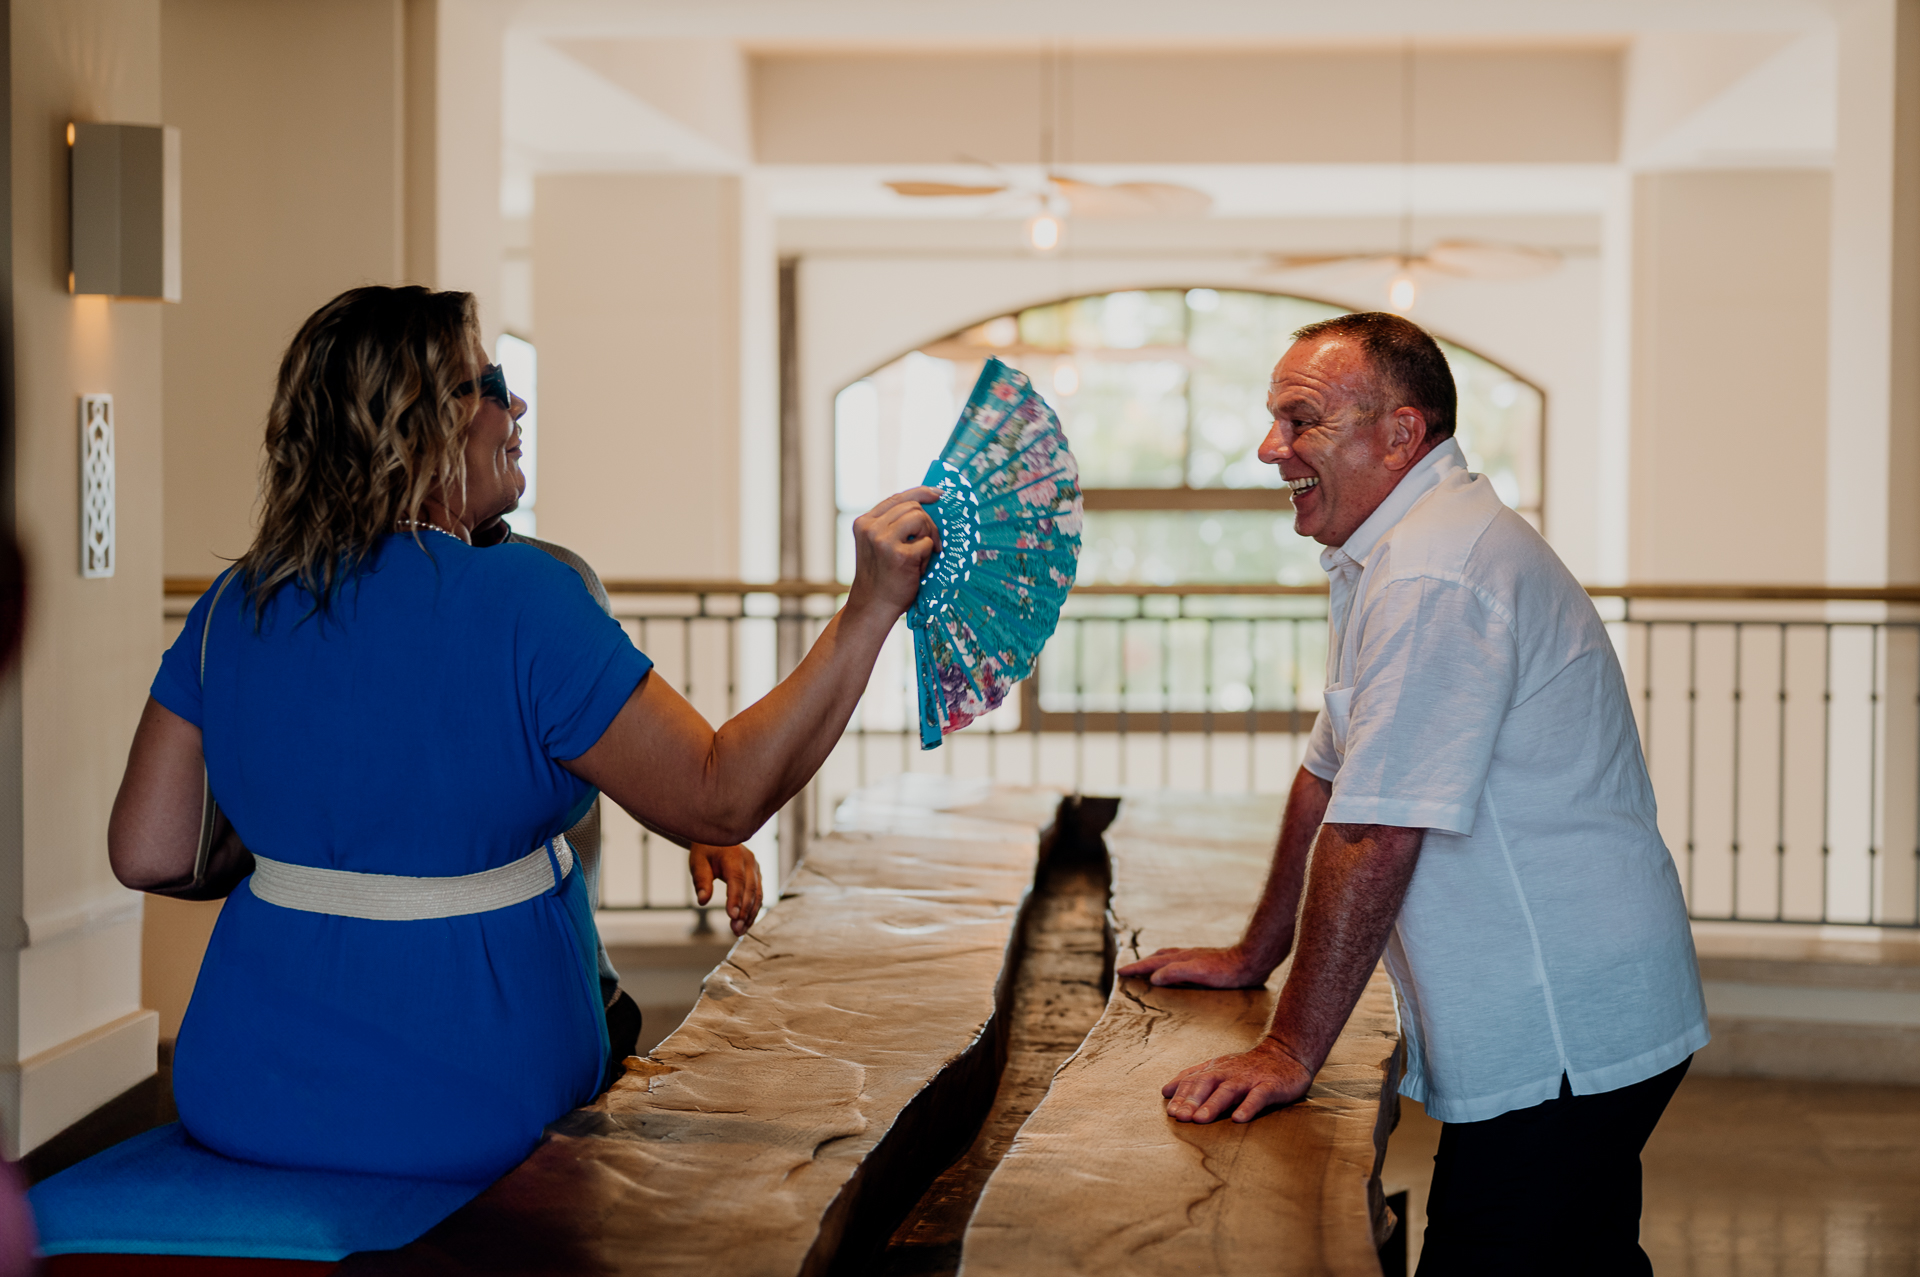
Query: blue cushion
[{"x": 161, "y": 1193}]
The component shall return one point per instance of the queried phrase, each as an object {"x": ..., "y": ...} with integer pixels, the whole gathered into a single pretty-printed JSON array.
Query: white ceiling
[
  {"x": 1710, "y": 83},
  {"x": 842, "y": 23},
  {"x": 1238, "y": 190}
]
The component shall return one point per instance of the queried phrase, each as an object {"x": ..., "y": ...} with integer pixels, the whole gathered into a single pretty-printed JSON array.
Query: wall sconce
[{"x": 124, "y": 210}]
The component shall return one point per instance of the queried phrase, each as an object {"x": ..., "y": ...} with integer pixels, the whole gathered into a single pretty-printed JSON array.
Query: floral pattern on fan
[{"x": 1009, "y": 516}]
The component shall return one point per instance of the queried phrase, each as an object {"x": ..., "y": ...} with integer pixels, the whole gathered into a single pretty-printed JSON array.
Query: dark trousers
[
  {"x": 1550, "y": 1189},
  {"x": 623, "y": 1030}
]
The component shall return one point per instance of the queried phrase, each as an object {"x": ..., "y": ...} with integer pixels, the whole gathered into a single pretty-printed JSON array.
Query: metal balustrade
[{"x": 1781, "y": 724}]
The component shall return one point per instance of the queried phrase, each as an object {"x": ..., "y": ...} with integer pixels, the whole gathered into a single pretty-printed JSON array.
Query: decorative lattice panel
[{"x": 96, "y": 485}]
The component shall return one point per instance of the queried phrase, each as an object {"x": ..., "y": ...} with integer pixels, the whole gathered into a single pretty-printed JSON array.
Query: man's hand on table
[
  {"x": 1231, "y": 967},
  {"x": 1246, "y": 1085}
]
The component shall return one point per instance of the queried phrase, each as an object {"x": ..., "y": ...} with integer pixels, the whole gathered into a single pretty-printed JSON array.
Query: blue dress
[{"x": 413, "y": 731}]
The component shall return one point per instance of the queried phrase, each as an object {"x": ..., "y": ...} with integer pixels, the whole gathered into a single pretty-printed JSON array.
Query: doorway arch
[{"x": 1162, "y": 393}]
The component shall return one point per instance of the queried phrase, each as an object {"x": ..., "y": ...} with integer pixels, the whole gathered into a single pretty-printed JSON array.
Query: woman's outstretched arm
[{"x": 661, "y": 760}]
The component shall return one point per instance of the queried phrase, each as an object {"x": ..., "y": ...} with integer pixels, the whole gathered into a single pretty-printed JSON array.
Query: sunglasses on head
[{"x": 491, "y": 383}]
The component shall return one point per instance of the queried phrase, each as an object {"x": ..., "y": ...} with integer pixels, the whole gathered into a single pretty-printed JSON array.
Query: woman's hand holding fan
[{"x": 892, "y": 545}]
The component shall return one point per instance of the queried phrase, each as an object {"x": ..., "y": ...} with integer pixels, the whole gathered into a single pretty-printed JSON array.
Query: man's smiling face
[{"x": 1340, "y": 448}]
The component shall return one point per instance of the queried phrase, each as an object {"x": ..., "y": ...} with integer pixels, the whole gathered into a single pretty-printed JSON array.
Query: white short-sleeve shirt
[{"x": 1473, "y": 692}]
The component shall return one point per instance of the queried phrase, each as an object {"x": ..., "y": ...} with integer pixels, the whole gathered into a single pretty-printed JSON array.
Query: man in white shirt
[{"x": 1476, "y": 804}]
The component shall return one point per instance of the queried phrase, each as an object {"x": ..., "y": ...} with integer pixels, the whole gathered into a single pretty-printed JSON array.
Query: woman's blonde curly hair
[{"x": 365, "y": 425}]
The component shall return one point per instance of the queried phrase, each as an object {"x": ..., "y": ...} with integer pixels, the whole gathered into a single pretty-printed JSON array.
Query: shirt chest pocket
[{"x": 1339, "y": 709}]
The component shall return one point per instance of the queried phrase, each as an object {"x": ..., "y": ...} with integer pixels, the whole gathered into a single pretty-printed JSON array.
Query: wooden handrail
[
  {"x": 1188, "y": 591},
  {"x": 1763, "y": 593},
  {"x": 193, "y": 586},
  {"x": 785, "y": 589}
]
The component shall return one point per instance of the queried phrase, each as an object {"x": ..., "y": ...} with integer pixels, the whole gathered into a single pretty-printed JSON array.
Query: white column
[
  {"x": 1613, "y": 476},
  {"x": 470, "y": 236},
  {"x": 759, "y": 386},
  {"x": 1728, "y": 297},
  {"x": 1873, "y": 403},
  {"x": 638, "y": 307},
  {"x": 1873, "y": 435}
]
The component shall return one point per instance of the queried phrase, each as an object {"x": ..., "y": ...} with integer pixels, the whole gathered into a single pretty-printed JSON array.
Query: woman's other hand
[
  {"x": 892, "y": 545},
  {"x": 735, "y": 866}
]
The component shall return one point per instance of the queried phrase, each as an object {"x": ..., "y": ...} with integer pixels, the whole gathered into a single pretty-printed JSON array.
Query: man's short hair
[{"x": 1407, "y": 364}]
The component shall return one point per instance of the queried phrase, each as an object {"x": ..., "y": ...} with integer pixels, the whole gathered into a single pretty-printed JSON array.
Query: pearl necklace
[{"x": 416, "y": 523}]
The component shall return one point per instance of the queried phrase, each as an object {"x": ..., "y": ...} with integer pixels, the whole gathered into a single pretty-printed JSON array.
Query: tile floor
[{"x": 1755, "y": 1178}]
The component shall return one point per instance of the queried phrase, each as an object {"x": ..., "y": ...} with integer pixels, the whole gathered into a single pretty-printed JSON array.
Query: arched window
[{"x": 1163, "y": 396}]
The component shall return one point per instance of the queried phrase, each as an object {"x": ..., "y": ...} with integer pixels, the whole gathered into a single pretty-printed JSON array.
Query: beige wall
[
  {"x": 293, "y": 150},
  {"x": 76, "y": 1035},
  {"x": 699, "y": 83},
  {"x": 1274, "y": 106},
  {"x": 637, "y": 310},
  {"x": 1729, "y": 377}
]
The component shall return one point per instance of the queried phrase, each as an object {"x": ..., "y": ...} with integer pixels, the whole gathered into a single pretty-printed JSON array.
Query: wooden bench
[
  {"x": 841, "y": 1055},
  {"x": 1100, "y": 1180},
  {"x": 849, "y": 1048}
]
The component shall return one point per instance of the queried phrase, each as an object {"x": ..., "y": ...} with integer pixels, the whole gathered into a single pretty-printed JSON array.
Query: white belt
[{"x": 397, "y": 898}]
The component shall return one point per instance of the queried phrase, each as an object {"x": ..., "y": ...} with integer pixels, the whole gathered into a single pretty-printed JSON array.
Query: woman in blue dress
[{"x": 399, "y": 726}]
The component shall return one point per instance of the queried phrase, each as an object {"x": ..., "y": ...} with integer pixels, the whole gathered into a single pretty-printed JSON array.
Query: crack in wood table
[{"x": 1101, "y": 1180}]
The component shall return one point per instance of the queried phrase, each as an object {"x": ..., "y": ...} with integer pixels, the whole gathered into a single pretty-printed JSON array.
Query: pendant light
[
  {"x": 1048, "y": 227},
  {"x": 1402, "y": 291},
  {"x": 1043, "y": 232}
]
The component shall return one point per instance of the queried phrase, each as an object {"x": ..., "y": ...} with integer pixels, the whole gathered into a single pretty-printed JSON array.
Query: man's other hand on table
[{"x": 1245, "y": 1085}]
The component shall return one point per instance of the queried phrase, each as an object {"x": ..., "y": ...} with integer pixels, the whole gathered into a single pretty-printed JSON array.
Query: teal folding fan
[{"x": 1009, "y": 519}]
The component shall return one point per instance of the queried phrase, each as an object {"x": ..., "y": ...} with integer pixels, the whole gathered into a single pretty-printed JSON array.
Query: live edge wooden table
[{"x": 849, "y": 1047}]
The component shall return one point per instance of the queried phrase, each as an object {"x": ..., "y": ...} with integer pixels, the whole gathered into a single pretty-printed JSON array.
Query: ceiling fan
[
  {"x": 1081, "y": 198},
  {"x": 1058, "y": 196},
  {"x": 1456, "y": 258}
]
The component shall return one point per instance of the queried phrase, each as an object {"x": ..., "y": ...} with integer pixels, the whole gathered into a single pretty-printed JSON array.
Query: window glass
[
  {"x": 1180, "y": 547},
  {"x": 518, "y": 361},
  {"x": 1500, "y": 428},
  {"x": 1162, "y": 390},
  {"x": 1236, "y": 339},
  {"x": 1131, "y": 415}
]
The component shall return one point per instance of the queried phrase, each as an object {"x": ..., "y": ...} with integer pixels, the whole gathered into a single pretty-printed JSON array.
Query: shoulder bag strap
[{"x": 209, "y": 809}]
